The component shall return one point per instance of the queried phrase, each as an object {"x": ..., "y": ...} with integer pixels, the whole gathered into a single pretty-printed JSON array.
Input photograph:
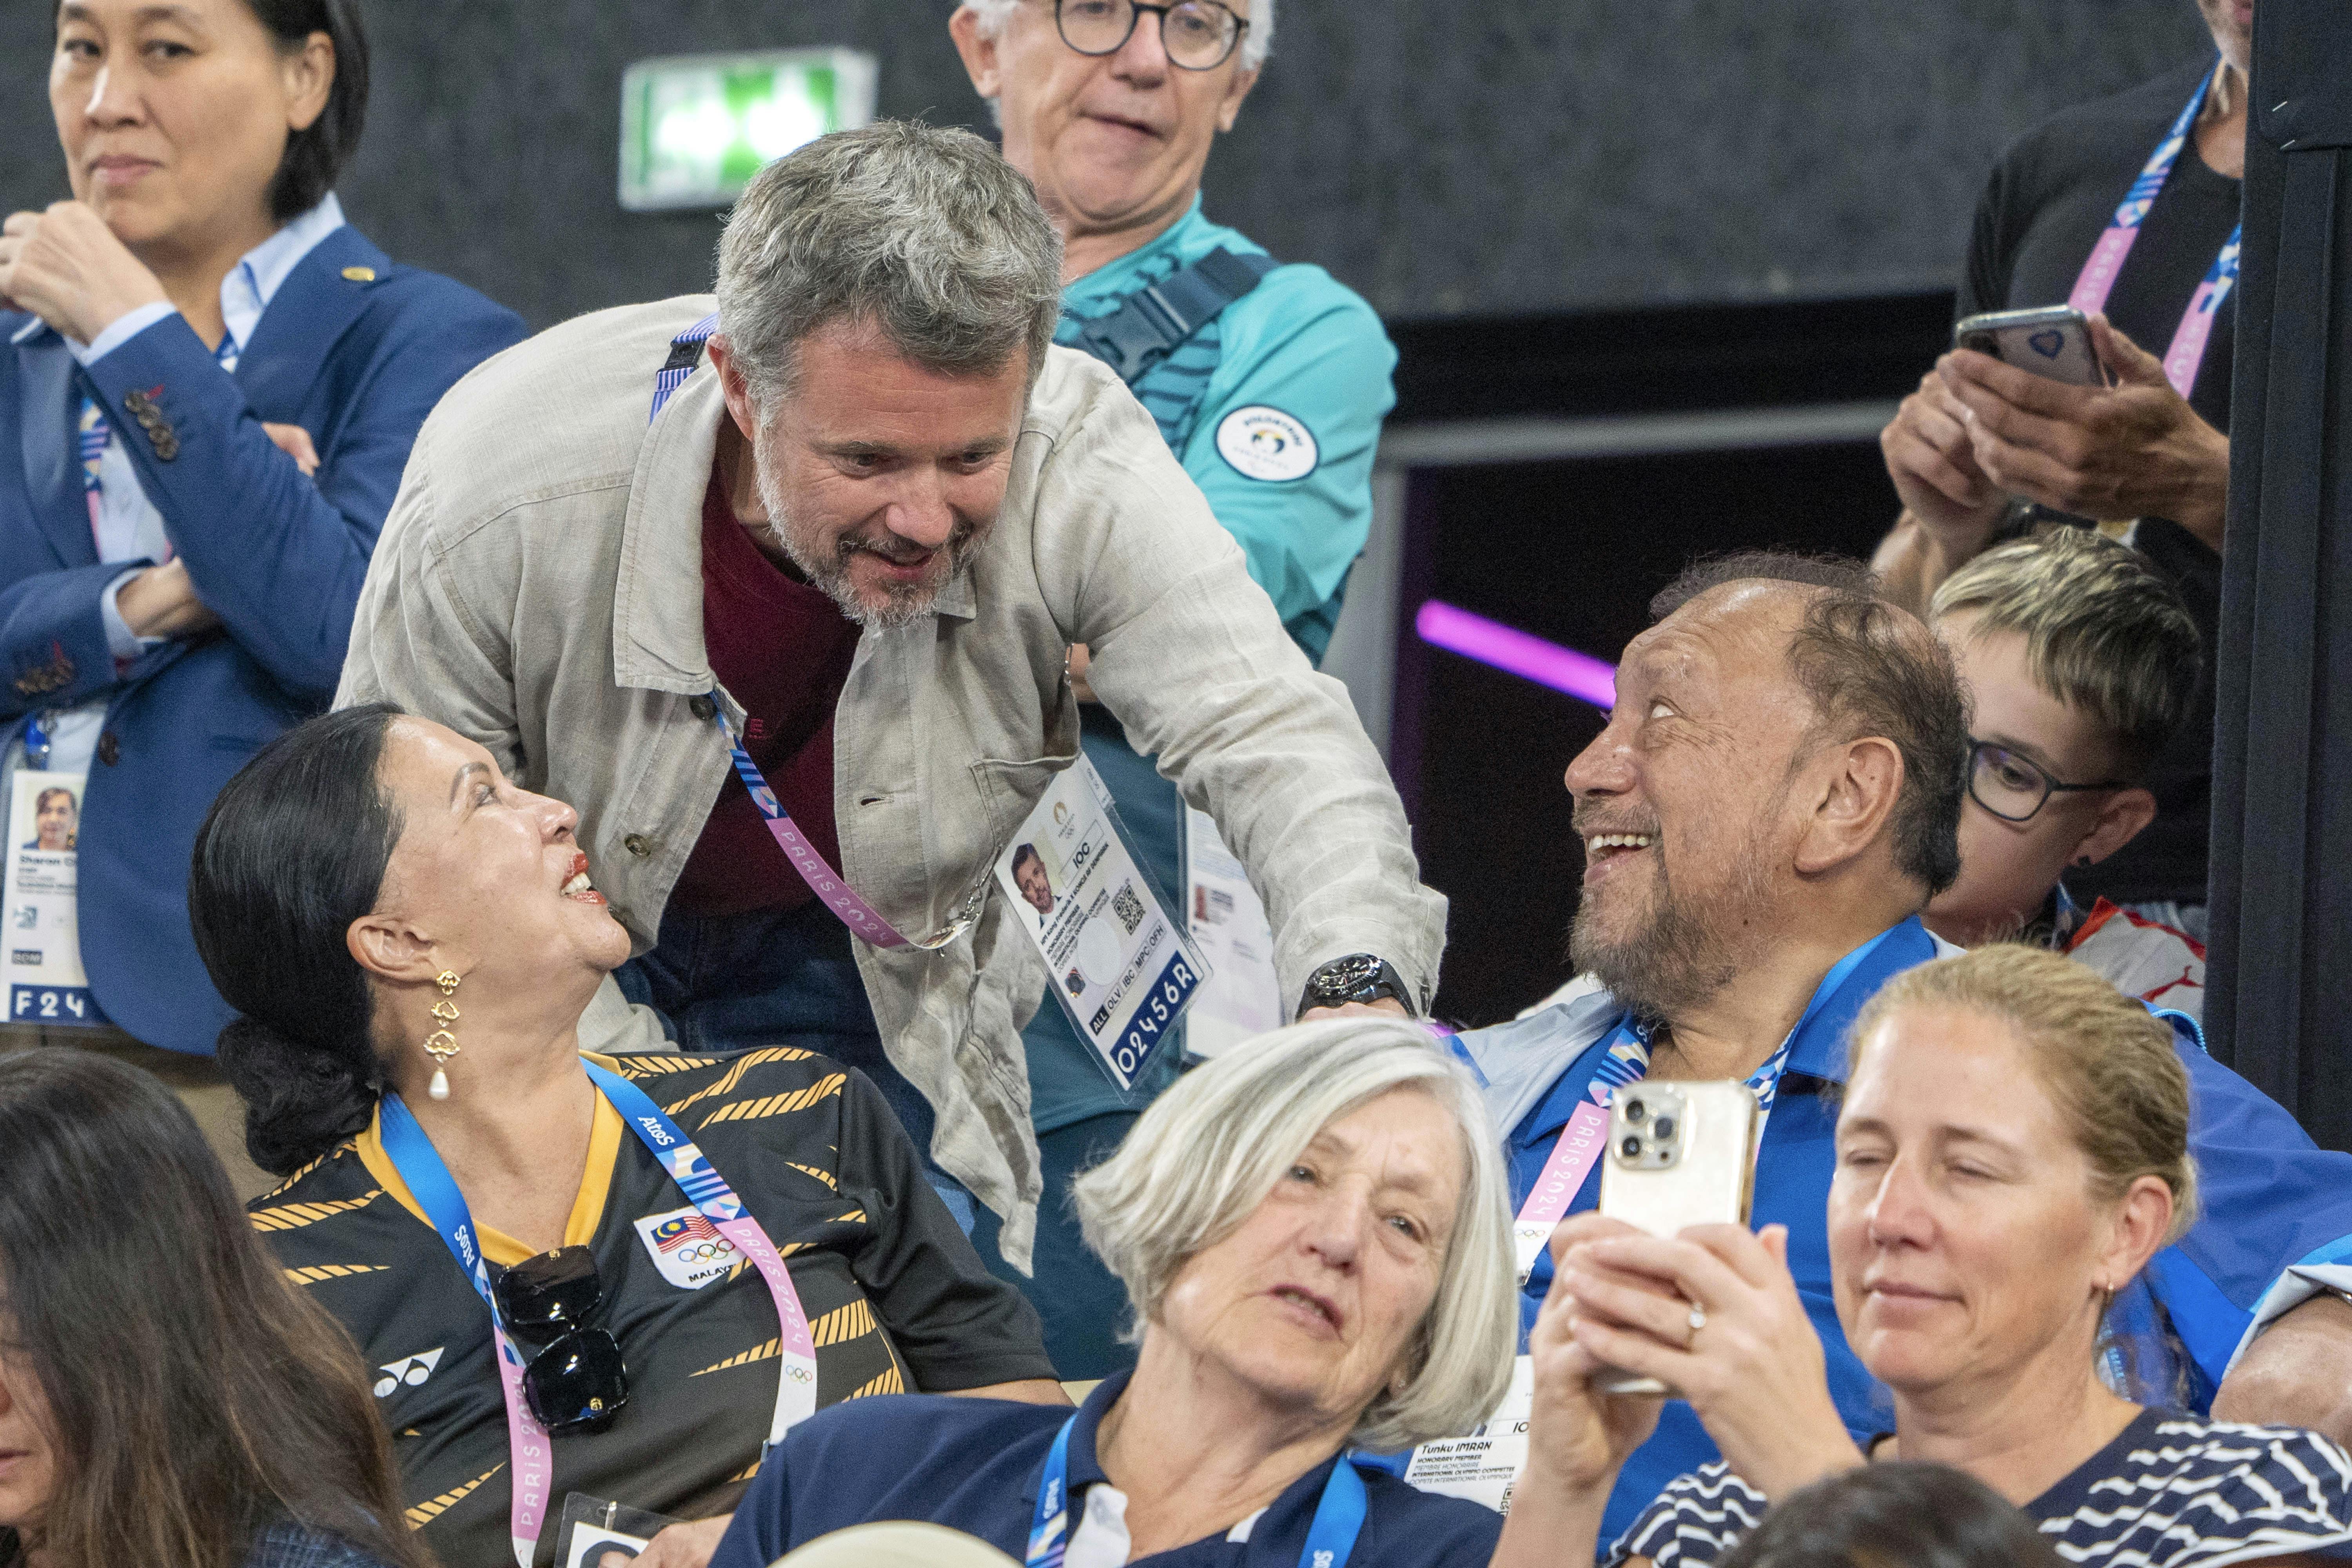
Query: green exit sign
[{"x": 696, "y": 128}]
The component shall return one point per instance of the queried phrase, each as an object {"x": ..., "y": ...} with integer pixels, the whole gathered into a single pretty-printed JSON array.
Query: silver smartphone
[
  {"x": 2053, "y": 342},
  {"x": 1679, "y": 1154}
]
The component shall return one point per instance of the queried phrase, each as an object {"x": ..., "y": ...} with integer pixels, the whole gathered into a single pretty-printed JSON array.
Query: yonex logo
[{"x": 408, "y": 1371}]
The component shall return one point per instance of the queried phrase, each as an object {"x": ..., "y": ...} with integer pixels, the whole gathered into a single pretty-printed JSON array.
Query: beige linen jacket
[{"x": 538, "y": 587}]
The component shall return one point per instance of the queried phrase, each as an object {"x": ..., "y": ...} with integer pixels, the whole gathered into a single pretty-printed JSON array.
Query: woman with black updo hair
[{"x": 566, "y": 1273}]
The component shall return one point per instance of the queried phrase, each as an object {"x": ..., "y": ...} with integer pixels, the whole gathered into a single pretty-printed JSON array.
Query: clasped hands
[
  {"x": 1753, "y": 1369},
  {"x": 1978, "y": 431}
]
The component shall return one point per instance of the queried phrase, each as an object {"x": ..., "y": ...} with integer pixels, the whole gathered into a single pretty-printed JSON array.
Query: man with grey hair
[
  {"x": 1269, "y": 383},
  {"x": 795, "y": 646}
]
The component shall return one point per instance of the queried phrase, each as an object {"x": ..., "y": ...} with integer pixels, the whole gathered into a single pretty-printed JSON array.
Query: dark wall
[{"x": 1496, "y": 157}]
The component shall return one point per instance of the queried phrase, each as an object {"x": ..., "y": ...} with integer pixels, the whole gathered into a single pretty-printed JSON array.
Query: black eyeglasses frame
[
  {"x": 2050, "y": 785},
  {"x": 1134, "y": 18}
]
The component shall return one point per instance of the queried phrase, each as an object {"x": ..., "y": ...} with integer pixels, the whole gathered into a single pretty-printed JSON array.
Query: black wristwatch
[{"x": 1358, "y": 977}]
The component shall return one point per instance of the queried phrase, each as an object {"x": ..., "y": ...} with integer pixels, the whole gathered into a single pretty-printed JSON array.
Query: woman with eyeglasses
[
  {"x": 2081, "y": 660},
  {"x": 618, "y": 1277},
  {"x": 166, "y": 1396}
]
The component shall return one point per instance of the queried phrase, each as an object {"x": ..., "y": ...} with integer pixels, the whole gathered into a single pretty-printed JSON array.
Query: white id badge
[
  {"x": 46, "y": 982},
  {"x": 1483, "y": 1466},
  {"x": 1242, "y": 996},
  {"x": 1121, "y": 968}
]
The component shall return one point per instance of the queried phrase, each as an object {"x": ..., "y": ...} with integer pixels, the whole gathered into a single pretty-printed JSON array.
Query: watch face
[{"x": 1343, "y": 980}]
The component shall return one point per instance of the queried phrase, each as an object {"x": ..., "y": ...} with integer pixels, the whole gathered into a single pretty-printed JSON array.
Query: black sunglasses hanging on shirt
[{"x": 574, "y": 1381}]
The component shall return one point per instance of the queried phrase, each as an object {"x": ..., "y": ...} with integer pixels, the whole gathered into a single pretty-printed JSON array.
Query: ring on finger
[{"x": 1697, "y": 1321}]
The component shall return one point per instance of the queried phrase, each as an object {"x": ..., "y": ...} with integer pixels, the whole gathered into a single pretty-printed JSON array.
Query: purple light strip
[{"x": 1516, "y": 652}]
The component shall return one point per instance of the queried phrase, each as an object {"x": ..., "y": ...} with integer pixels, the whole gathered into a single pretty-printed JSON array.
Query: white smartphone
[
  {"x": 1679, "y": 1154},
  {"x": 2053, "y": 342}
]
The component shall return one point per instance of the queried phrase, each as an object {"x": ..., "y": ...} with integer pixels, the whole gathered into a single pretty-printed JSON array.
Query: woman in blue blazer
[{"x": 212, "y": 383}]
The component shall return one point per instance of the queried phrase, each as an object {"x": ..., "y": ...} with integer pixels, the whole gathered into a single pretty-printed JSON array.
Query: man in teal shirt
[{"x": 1269, "y": 383}]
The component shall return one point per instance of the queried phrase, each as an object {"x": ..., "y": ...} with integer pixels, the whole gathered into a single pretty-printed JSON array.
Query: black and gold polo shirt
[{"x": 898, "y": 1301}]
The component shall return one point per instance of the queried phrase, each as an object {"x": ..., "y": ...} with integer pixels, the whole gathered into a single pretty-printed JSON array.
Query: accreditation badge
[
  {"x": 1241, "y": 996},
  {"x": 1121, "y": 969},
  {"x": 46, "y": 982},
  {"x": 1484, "y": 1465}
]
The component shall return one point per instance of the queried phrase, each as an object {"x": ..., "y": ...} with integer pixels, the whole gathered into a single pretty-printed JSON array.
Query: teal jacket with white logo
[{"x": 1301, "y": 345}]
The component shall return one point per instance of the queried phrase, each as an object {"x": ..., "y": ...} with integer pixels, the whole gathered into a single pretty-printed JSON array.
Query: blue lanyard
[
  {"x": 1330, "y": 1538},
  {"x": 704, "y": 1186},
  {"x": 1627, "y": 1058},
  {"x": 419, "y": 1163}
]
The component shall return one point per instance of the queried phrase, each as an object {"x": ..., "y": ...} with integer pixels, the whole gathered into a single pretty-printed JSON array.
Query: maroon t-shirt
[{"x": 782, "y": 649}]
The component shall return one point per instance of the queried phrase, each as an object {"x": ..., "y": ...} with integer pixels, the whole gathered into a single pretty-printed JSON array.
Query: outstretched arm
[{"x": 2297, "y": 1372}]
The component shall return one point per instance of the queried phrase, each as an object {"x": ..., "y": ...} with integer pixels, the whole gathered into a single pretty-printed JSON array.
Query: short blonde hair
[
  {"x": 2104, "y": 632},
  {"x": 1211, "y": 1149},
  {"x": 1255, "y": 41},
  {"x": 2102, "y": 1057}
]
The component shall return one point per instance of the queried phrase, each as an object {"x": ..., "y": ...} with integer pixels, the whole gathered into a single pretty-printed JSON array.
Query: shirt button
[
  {"x": 110, "y": 750},
  {"x": 704, "y": 708},
  {"x": 636, "y": 844}
]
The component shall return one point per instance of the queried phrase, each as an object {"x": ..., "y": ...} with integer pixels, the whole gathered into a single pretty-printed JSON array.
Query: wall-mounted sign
[{"x": 696, "y": 128}]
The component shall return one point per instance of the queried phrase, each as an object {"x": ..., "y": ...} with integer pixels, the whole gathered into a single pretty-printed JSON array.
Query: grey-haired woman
[{"x": 1313, "y": 1233}]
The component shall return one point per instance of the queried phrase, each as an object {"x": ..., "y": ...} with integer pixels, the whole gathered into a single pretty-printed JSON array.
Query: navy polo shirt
[
  {"x": 2270, "y": 1199},
  {"x": 975, "y": 1464}
]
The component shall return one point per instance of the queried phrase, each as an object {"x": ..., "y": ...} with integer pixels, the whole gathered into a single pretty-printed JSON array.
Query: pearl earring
[{"x": 441, "y": 1045}]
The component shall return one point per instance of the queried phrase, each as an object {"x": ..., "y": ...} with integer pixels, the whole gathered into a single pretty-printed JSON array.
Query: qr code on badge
[{"x": 1127, "y": 907}]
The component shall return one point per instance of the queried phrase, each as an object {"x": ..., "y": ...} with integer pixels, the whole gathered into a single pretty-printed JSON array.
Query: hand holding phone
[
  {"x": 2054, "y": 343},
  {"x": 1679, "y": 1154}
]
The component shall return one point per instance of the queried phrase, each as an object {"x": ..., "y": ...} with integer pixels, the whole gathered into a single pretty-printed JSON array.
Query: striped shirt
[
  {"x": 2170, "y": 1492},
  {"x": 895, "y": 1296}
]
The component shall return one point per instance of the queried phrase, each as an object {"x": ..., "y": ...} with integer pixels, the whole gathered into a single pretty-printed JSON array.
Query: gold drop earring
[{"x": 441, "y": 1045}]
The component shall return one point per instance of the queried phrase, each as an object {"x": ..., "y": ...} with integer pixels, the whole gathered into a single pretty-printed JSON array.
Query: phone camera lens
[
  {"x": 1635, "y": 1111},
  {"x": 1664, "y": 1127},
  {"x": 1631, "y": 1148}
]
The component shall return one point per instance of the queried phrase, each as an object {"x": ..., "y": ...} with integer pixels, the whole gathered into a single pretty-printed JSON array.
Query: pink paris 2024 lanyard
[
  {"x": 2098, "y": 280},
  {"x": 529, "y": 1448},
  {"x": 861, "y": 919}
]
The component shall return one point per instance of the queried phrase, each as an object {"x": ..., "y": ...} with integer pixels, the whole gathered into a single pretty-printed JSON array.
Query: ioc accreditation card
[
  {"x": 46, "y": 982},
  {"x": 1242, "y": 997},
  {"x": 1121, "y": 969},
  {"x": 1483, "y": 1466}
]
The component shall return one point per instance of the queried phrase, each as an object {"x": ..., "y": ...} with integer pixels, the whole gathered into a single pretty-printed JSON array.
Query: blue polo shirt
[
  {"x": 2270, "y": 1198},
  {"x": 975, "y": 1464}
]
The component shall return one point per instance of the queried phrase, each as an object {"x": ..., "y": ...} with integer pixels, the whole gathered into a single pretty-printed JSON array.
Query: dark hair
[
  {"x": 1870, "y": 669},
  {"x": 195, "y": 1396},
  {"x": 1027, "y": 852},
  {"x": 292, "y": 852},
  {"x": 316, "y": 154},
  {"x": 1895, "y": 1515}
]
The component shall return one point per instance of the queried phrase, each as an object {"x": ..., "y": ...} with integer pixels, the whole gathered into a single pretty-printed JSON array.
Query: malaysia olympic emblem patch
[
  {"x": 688, "y": 1249},
  {"x": 1263, "y": 443}
]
